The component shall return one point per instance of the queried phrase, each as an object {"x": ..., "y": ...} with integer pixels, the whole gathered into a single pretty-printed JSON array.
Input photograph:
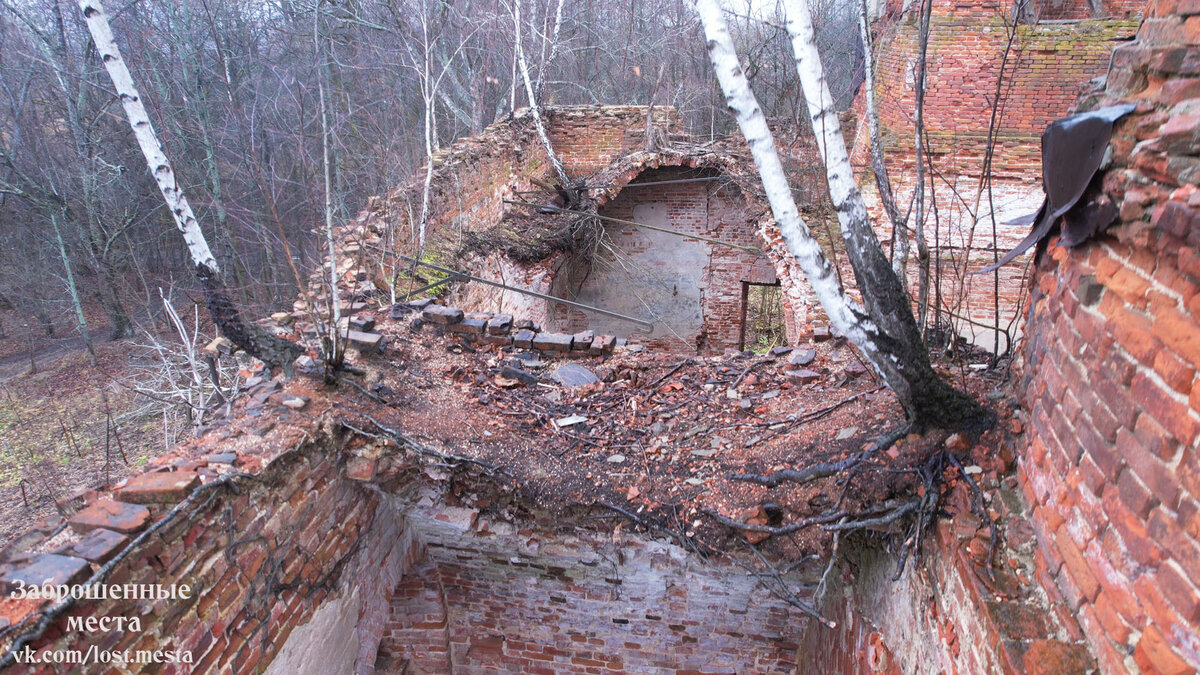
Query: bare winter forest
[
  {"x": 589, "y": 336},
  {"x": 233, "y": 91}
]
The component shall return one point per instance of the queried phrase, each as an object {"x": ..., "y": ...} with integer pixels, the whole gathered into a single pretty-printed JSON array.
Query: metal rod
[
  {"x": 748, "y": 249},
  {"x": 644, "y": 325},
  {"x": 430, "y": 287}
]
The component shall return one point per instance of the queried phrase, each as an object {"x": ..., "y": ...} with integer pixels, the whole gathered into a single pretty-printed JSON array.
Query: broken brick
[
  {"x": 112, "y": 515},
  {"x": 98, "y": 546},
  {"x": 158, "y": 487},
  {"x": 49, "y": 568},
  {"x": 442, "y": 315}
]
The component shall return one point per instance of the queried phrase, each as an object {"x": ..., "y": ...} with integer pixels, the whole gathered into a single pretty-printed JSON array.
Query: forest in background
[{"x": 232, "y": 89}]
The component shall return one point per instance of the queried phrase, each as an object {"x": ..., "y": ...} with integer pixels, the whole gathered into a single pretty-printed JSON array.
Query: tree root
[{"x": 824, "y": 470}]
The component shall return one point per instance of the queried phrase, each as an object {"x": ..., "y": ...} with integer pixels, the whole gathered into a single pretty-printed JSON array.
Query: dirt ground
[{"x": 657, "y": 436}]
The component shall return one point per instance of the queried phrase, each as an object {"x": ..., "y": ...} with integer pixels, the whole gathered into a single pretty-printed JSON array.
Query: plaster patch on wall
[{"x": 328, "y": 643}]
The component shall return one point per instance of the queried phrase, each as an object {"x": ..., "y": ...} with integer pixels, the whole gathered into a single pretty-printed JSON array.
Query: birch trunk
[
  {"x": 878, "y": 166},
  {"x": 919, "y": 131},
  {"x": 143, "y": 131},
  {"x": 269, "y": 348},
  {"x": 884, "y": 331},
  {"x": 333, "y": 346},
  {"x": 545, "y": 67},
  {"x": 73, "y": 290},
  {"x": 559, "y": 170}
]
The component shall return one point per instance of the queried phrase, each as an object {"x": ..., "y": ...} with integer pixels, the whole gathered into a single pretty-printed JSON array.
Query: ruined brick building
[
  {"x": 316, "y": 544},
  {"x": 485, "y": 219},
  {"x": 1037, "y": 68}
]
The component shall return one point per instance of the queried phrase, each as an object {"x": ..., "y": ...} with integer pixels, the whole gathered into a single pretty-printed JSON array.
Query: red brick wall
[
  {"x": 589, "y": 138},
  {"x": 1109, "y": 376},
  {"x": 260, "y": 561},
  {"x": 704, "y": 208},
  {"x": 1045, "y": 69},
  {"x": 949, "y": 611},
  {"x": 1044, "y": 72},
  {"x": 539, "y": 603}
]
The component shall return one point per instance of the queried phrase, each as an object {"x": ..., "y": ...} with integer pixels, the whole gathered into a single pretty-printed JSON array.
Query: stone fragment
[
  {"x": 349, "y": 308},
  {"x": 399, "y": 309},
  {"x": 49, "y": 569},
  {"x": 222, "y": 458},
  {"x": 616, "y": 459},
  {"x": 582, "y": 341},
  {"x": 524, "y": 323},
  {"x": 803, "y": 376},
  {"x": 365, "y": 342},
  {"x": 498, "y": 340},
  {"x": 111, "y": 515},
  {"x": 220, "y": 345},
  {"x": 362, "y": 324},
  {"x": 957, "y": 442},
  {"x": 470, "y": 325},
  {"x": 821, "y": 333},
  {"x": 569, "y": 421},
  {"x": 514, "y": 373},
  {"x": 855, "y": 369},
  {"x": 574, "y": 375},
  {"x": 360, "y": 469},
  {"x": 846, "y": 433},
  {"x": 780, "y": 351},
  {"x": 442, "y": 315},
  {"x": 802, "y": 357},
  {"x": 158, "y": 487},
  {"x": 98, "y": 546},
  {"x": 295, "y": 402},
  {"x": 524, "y": 339},
  {"x": 553, "y": 342},
  {"x": 602, "y": 345},
  {"x": 500, "y": 324},
  {"x": 529, "y": 359},
  {"x": 457, "y": 517},
  {"x": 283, "y": 318}
]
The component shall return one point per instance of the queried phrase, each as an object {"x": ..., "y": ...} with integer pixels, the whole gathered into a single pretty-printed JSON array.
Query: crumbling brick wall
[
  {"x": 605, "y": 146},
  {"x": 260, "y": 558},
  {"x": 1043, "y": 72},
  {"x": 490, "y": 598},
  {"x": 1109, "y": 375},
  {"x": 692, "y": 288}
]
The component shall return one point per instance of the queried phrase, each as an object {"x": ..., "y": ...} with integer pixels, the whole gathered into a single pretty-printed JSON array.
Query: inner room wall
[{"x": 691, "y": 289}]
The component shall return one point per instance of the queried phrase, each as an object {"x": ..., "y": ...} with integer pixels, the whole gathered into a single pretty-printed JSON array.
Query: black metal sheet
[{"x": 1072, "y": 151}]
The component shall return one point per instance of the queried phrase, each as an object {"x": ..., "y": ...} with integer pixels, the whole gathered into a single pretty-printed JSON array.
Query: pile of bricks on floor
[{"x": 502, "y": 330}]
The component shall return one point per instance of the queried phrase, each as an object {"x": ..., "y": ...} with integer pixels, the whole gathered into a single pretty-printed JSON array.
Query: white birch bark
[
  {"x": 847, "y": 200},
  {"x": 884, "y": 330},
  {"x": 918, "y": 132},
  {"x": 333, "y": 350},
  {"x": 878, "y": 166},
  {"x": 143, "y": 131},
  {"x": 535, "y": 109},
  {"x": 545, "y": 67},
  {"x": 843, "y": 312}
]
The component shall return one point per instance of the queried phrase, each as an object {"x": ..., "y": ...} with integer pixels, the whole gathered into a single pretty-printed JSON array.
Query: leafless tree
[{"x": 883, "y": 328}]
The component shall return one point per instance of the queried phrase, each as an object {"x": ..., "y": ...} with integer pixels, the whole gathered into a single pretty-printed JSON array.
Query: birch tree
[
  {"x": 535, "y": 109},
  {"x": 269, "y": 348},
  {"x": 883, "y": 327},
  {"x": 886, "y": 196}
]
